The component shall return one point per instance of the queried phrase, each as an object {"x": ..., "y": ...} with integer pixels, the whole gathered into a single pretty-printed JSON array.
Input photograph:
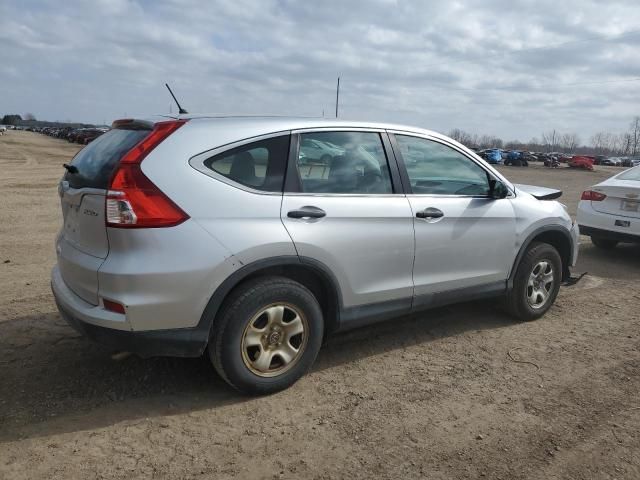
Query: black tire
[
  {"x": 517, "y": 303},
  {"x": 326, "y": 159},
  {"x": 227, "y": 350}
]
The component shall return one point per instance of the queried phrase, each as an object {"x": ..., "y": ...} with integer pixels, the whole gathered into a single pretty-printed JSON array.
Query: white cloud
[{"x": 435, "y": 64}]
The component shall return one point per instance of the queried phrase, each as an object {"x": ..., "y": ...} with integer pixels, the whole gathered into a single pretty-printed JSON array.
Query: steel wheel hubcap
[
  {"x": 274, "y": 339},
  {"x": 540, "y": 284}
]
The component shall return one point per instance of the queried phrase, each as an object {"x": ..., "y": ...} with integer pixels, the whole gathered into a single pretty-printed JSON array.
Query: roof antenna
[
  {"x": 180, "y": 109},
  {"x": 337, "y": 96}
]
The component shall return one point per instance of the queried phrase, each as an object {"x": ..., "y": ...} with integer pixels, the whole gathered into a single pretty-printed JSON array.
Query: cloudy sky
[{"x": 511, "y": 68}]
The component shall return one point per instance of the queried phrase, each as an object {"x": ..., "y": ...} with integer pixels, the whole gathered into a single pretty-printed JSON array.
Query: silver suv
[{"x": 190, "y": 232}]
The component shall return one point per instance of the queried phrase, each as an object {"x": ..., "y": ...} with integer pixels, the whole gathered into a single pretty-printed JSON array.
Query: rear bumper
[
  {"x": 106, "y": 328},
  {"x": 603, "y": 225},
  {"x": 609, "y": 235}
]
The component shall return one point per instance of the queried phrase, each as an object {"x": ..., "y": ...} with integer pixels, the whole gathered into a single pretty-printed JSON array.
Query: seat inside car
[
  {"x": 243, "y": 169},
  {"x": 343, "y": 177}
]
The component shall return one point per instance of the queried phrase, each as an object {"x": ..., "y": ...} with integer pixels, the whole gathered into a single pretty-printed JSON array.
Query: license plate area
[{"x": 629, "y": 205}]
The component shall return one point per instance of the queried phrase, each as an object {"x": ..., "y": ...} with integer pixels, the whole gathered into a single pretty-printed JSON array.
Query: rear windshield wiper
[{"x": 70, "y": 168}]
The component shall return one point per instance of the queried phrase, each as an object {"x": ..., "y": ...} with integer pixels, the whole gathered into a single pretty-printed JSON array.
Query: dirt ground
[{"x": 459, "y": 392}]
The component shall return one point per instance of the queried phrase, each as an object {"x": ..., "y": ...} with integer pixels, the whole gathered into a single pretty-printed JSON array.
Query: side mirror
[{"x": 497, "y": 189}]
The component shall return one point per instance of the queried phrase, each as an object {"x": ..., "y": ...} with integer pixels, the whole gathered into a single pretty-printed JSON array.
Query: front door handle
[
  {"x": 430, "y": 213},
  {"x": 307, "y": 212}
]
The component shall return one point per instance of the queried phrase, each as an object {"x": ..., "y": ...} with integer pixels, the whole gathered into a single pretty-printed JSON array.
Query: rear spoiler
[
  {"x": 541, "y": 193},
  {"x": 132, "y": 124}
]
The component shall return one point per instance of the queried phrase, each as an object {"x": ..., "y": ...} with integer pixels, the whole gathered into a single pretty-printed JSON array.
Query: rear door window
[
  {"x": 96, "y": 161},
  {"x": 343, "y": 163},
  {"x": 259, "y": 165}
]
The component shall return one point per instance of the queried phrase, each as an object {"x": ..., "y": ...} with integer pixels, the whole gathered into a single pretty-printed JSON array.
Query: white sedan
[{"x": 609, "y": 212}]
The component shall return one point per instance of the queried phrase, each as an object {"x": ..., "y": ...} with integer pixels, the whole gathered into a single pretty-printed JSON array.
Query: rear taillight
[
  {"x": 593, "y": 196},
  {"x": 133, "y": 201},
  {"x": 113, "y": 306}
]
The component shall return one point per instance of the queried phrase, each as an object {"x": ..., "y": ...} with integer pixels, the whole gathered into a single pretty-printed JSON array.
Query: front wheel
[
  {"x": 536, "y": 282},
  {"x": 267, "y": 335}
]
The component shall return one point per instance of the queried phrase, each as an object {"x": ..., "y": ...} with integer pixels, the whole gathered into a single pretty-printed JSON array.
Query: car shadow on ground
[
  {"x": 620, "y": 263},
  {"x": 54, "y": 381}
]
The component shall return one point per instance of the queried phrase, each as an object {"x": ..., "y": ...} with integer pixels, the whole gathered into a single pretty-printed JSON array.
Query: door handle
[
  {"x": 307, "y": 212},
  {"x": 430, "y": 213}
]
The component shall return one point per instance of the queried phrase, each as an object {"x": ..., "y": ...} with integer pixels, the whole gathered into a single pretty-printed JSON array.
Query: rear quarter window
[
  {"x": 259, "y": 165},
  {"x": 96, "y": 161}
]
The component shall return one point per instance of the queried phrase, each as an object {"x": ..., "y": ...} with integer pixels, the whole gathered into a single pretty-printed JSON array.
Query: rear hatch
[
  {"x": 83, "y": 244},
  {"x": 622, "y": 195}
]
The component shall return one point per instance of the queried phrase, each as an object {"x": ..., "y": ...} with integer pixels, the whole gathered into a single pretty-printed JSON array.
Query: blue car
[
  {"x": 493, "y": 156},
  {"x": 516, "y": 159}
]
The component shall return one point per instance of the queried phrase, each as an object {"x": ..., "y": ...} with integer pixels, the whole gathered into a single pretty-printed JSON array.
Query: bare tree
[
  {"x": 551, "y": 139},
  {"x": 569, "y": 142},
  {"x": 625, "y": 141},
  {"x": 462, "y": 136},
  {"x": 600, "y": 142},
  {"x": 615, "y": 143},
  {"x": 635, "y": 135},
  {"x": 29, "y": 116}
]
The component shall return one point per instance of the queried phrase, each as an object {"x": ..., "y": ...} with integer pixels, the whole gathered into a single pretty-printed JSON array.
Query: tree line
[
  {"x": 601, "y": 143},
  {"x": 15, "y": 119},
  {"x": 29, "y": 120}
]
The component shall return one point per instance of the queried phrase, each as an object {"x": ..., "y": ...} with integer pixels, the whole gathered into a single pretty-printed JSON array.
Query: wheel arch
[
  {"x": 554, "y": 235},
  {"x": 309, "y": 272}
]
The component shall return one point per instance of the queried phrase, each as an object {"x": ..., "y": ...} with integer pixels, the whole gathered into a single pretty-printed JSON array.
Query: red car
[{"x": 582, "y": 162}]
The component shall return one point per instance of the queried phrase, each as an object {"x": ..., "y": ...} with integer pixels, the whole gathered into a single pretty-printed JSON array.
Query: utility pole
[{"x": 337, "y": 96}]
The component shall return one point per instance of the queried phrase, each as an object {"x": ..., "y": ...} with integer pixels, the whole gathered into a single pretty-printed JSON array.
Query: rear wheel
[
  {"x": 267, "y": 335},
  {"x": 536, "y": 282},
  {"x": 604, "y": 243}
]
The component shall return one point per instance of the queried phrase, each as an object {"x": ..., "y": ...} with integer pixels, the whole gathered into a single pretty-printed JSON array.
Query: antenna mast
[
  {"x": 180, "y": 109},
  {"x": 337, "y": 96}
]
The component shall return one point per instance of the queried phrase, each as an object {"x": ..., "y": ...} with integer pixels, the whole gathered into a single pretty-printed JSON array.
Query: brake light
[
  {"x": 593, "y": 196},
  {"x": 113, "y": 306},
  {"x": 133, "y": 201}
]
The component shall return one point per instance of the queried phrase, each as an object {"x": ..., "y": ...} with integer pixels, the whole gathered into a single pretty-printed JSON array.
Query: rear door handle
[
  {"x": 430, "y": 213},
  {"x": 307, "y": 212}
]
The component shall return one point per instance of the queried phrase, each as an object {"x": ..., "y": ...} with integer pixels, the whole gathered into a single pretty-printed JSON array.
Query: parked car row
[
  {"x": 521, "y": 158},
  {"x": 82, "y": 136},
  {"x": 517, "y": 158}
]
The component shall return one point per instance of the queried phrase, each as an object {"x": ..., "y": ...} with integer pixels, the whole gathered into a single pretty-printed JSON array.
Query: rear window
[
  {"x": 96, "y": 161},
  {"x": 632, "y": 174}
]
